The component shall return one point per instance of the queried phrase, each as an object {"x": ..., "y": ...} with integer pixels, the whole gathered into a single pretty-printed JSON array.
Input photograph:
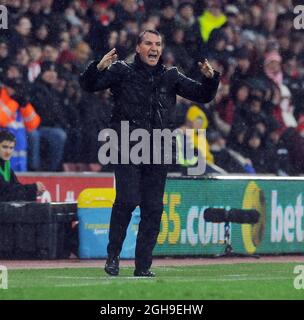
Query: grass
[{"x": 233, "y": 281}]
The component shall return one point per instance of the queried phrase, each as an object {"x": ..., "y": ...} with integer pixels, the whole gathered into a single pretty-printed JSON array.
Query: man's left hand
[{"x": 206, "y": 69}]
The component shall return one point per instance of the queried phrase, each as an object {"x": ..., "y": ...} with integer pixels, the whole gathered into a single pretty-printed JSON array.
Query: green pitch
[{"x": 233, "y": 281}]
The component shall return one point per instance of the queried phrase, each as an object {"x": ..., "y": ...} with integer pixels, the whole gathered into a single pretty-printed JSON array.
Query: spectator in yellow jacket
[{"x": 197, "y": 119}]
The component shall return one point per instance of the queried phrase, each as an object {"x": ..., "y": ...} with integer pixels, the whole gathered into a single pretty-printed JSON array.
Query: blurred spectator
[
  {"x": 20, "y": 36},
  {"x": 153, "y": 19},
  {"x": 71, "y": 99},
  {"x": 112, "y": 42},
  {"x": 217, "y": 45},
  {"x": 167, "y": 20},
  {"x": 55, "y": 19},
  {"x": 253, "y": 17},
  {"x": 22, "y": 58},
  {"x": 127, "y": 10},
  {"x": 230, "y": 112},
  {"x": 273, "y": 68},
  {"x": 91, "y": 123},
  {"x": 232, "y": 13},
  {"x": 17, "y": 114},
  {"x": 195, "y": 119},
  {"x": 236, "y": 139},
  {"x": 41, "y": 34},
  {"x": 50, "y": 53},
  {"x": 35, "y": 55},
  {"x": 151, "y": 5},
  {"x": 295, "y": 146},
  {"x": 212, "y": 18},
  {"x": 4, "y": 57},
  {"x": 227, "y": 159},
  {"x": 293, "y": 80},
  {"x": 179, "y": 51},
  {"x": 256, "y": 152},
  {"x": 281, "y": 163},
  {"x": 287, "y": 108},
  {"x": 82, "y": 55},
  {"x": 34, "y": 13},
  {"x": 242, "y": 70},
  {"x": 188, "y": 22},
  {"x": 46, "y": 100}
]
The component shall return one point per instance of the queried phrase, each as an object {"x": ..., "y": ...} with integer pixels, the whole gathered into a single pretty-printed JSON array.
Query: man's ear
[{"x": 137, "y": 49}]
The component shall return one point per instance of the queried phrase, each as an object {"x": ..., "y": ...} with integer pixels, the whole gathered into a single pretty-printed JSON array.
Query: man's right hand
[
  {"x": 40, "y": 188},
  {"x": 107, "y": 60}
]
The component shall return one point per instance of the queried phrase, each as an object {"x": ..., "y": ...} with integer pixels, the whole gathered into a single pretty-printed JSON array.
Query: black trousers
[{"x": 141, "y": 185}]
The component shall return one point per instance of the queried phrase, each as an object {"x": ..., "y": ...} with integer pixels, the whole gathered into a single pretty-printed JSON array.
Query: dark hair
[
  {"x": 252, "y": 132},
  {"x": 6, "y": 135},
  {"x": 141, "y": 35},
  {"x": 22, "y": 17}
]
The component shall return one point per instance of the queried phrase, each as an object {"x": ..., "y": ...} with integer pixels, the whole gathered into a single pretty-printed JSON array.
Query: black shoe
[
  {"x": 112, "y": 266},
  {"x": 144, "y": 273}
]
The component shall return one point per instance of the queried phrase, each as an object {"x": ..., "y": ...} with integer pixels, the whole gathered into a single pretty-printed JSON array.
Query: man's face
[
  {"x": 50, "y": 53},
  {"x": 3, "y": 50},
  {"x": 13, "y": 72},
  {"x": 50, "y": 76},
  {"x": 198, "y": 123},
  {"x": 187, "y": 12},
  {"x": 150, "y": 49},
  {"x": 6, "y": 149},
  {"x": 254, "y": 142},
  {"x": 244, "y": 63},
  {"x": 82, "y": 53},
  {"x": 274, "y": 66},
  {"x": 24, "y": 26}
]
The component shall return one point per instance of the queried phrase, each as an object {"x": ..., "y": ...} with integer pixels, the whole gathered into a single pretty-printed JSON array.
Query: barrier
[
  {"x": 30, "y": 230},
  {"x": 279, "y": 201},
  {"x": 94, "y": 212},
  {"x": 66, "y": 186},
  {"x": 183, "y": 229}
]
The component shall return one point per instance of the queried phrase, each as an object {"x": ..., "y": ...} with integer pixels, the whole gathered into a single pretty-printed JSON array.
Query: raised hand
[
  {"x": 107, "y": 59},
  {"x": 206, "y": 69}
]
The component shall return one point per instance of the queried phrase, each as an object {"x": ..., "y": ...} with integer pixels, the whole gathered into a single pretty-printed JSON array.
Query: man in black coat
[
  {"x": 10, "y": 188},
  {"x": 144, "y": 93}
]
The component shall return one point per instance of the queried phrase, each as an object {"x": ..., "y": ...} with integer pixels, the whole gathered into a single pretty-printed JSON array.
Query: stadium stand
[{"x": 258, "y": 112}]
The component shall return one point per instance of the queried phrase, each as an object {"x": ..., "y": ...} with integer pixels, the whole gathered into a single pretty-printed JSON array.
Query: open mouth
[{"x": 152, "y": 56}]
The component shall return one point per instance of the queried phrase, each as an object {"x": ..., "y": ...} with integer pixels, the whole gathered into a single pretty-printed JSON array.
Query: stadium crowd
[{"x": 255, "y": 124}]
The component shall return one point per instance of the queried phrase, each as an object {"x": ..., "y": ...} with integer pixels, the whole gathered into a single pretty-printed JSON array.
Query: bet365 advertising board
[{"x": 280, "y": 228}]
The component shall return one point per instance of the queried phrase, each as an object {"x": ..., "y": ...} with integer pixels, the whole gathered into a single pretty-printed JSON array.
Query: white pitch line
[
  {"x": 106, "y": 280},
  {"x": 110, "y": 280},
  {"x": 71, "y": 277},
  {"x": 179, "y": 280}
]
